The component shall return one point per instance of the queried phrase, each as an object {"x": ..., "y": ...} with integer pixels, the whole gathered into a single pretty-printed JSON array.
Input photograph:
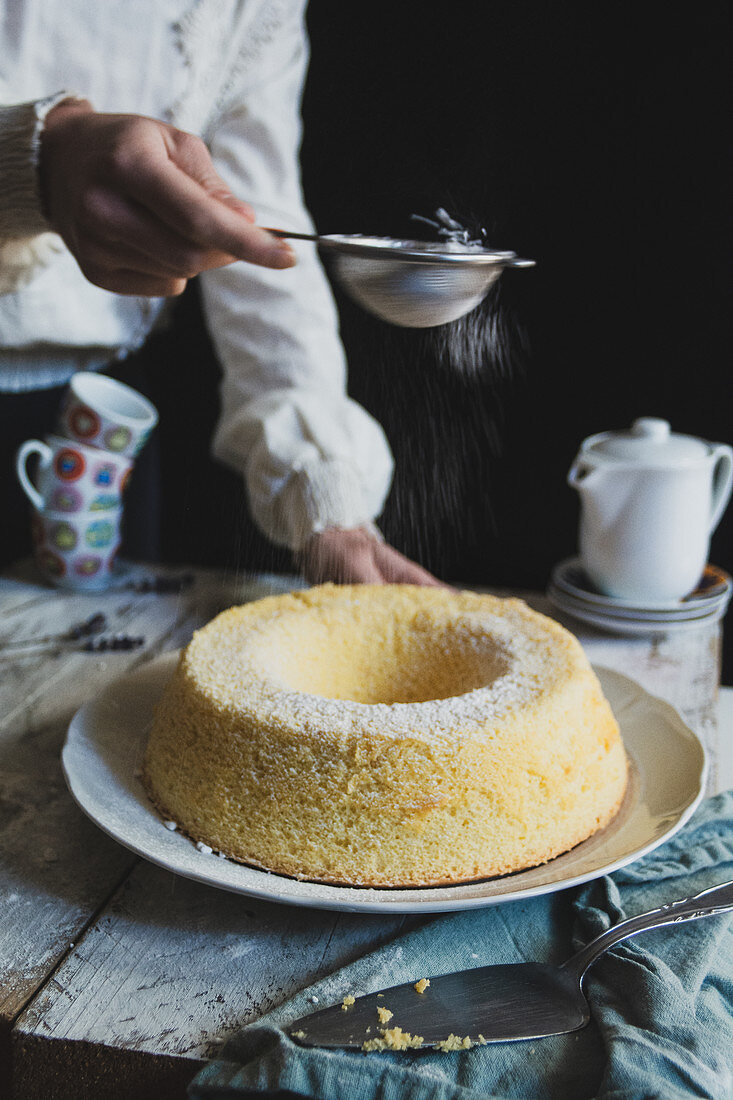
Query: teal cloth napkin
[{"x": 661, "y": 1003}]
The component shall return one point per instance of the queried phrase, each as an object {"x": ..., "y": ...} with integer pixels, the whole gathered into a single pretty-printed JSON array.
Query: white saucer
[
  {"x": 714, "y": 590},
  {"x": 626, "y": 622},
  {"x": 641, "y": 614},
  {"x": 106, "y": 740}
]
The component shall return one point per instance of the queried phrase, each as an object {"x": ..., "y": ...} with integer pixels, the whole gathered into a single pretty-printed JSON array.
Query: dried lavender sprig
[
  {"x": 106, "y": 644},
  {"x": 162, "y": 585},
  {"x": 113, "y": 643},
  {"x": 93, "y": 625}
]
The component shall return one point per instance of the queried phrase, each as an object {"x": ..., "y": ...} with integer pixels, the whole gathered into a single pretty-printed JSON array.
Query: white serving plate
[{"x": 106, "y": 739}]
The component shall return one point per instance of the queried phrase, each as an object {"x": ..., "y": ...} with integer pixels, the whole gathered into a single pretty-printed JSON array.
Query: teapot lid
[{"x": 649, "y": 441}]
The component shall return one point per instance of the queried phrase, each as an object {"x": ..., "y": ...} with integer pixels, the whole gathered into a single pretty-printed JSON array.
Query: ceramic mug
[
  {"x": 76, "y": 549},
  {"x": 100, "y": 412},
  {"x": 71, "y": 477}
]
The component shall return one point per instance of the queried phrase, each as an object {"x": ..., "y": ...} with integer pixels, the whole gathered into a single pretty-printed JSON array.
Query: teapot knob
[{"x": 651, "y": 427}]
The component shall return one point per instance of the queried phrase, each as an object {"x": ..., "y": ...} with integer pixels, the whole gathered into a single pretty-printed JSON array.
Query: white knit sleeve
[
  {"x": 311, "y": 456},
  {"x": 26, "y": 240}
]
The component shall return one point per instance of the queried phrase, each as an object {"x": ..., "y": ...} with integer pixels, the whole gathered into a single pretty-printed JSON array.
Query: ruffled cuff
[
  {"x": 329, "y": 493},
  {"x": 311, "y": 460},
  {"x": 21, "y": 126}
]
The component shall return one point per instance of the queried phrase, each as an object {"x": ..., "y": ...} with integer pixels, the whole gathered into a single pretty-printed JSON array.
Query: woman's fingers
[
  {"x": 355, "y": 556},
  {"x": 395, "y": 568},
  {"x": 202, "y": 212},
  {"x": 138, "y": 284},
  {"x": 132, "y": 237},
  {"x": 140, "y": 204}
]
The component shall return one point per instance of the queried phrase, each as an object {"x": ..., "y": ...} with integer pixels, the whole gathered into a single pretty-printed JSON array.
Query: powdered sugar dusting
[{"x": 239, "y": 659}]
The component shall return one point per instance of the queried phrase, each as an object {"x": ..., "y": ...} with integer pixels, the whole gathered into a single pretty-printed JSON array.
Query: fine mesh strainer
[{"x": 416, "y": 284}]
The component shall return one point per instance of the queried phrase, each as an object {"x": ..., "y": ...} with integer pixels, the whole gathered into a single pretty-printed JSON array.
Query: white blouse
[{"x": 231, "y": 71}]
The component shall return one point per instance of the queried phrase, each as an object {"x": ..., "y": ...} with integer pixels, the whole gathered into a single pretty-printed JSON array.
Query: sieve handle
[
  {"x": 503, "y": 259},
  {"x": 291, "y": 233}
]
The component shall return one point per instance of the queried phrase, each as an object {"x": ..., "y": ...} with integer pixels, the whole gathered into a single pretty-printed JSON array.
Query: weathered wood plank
[
  {"x": 39, "y": 688},
  {"x": 170, "y": 969},
  {"x": 36, "y": 689},
  {"x": 56, "y": 868}
]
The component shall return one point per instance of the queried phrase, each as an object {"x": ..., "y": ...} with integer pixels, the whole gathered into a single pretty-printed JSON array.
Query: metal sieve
[{"x": 416, "y": 284}]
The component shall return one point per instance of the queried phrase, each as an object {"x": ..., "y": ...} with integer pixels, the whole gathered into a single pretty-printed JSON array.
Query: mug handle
[
  {"x": 722, "y": 483},
  {"x": 31, "y": 447}
]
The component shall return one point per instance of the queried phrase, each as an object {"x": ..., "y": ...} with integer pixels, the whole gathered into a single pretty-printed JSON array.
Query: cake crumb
[
  {"x": 203, "y": 848},
  {"x": 384, "y": 1014},
  {"x": 422, "y": 985},
  {"x": 297, "y": 1035},
  {"x": 347, "y": 1001},
  {"x": 393, "y": 1038},
  {"x": 454, "y": 1042}
]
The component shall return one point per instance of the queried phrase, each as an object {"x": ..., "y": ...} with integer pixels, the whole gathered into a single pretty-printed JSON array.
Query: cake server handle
[{"x": 718, "y": 899}]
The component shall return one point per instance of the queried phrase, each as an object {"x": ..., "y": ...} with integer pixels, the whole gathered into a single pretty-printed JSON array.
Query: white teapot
[{"x": 650, "y": 500}]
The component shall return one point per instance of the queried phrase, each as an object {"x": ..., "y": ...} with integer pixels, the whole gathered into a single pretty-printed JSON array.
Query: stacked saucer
[{"x": 572, "y": 592}]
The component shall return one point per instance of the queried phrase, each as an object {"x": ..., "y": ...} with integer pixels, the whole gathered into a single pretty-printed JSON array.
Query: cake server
[{"x": 493, "y": 1003}]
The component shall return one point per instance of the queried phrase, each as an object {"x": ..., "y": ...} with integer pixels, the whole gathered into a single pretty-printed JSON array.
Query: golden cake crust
[{"x": 386, "y": 735}]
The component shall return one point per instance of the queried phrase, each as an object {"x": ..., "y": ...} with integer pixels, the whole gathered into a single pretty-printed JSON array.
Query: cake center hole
[{"x": 382, "y": 661}]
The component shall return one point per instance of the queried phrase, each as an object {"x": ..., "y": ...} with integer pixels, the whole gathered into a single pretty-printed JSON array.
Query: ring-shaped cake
[{"x": 386, "y": 735}]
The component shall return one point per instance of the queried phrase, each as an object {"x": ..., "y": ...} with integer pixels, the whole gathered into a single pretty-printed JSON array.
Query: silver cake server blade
[{"x": 490, "y": 1004}]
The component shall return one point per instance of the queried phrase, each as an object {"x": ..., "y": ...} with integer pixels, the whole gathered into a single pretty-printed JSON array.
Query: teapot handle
[
  {"x": 722, "y": 482},
  {"x": 578, "y": 473}
]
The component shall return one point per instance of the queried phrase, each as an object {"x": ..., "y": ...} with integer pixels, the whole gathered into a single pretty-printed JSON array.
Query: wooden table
[{"x": 117, "y": 978}]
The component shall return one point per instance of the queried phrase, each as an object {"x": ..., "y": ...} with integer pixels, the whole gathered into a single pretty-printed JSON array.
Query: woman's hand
[
  {"x": 357, "y": 556},
  {"x": 140, "y": 205}
]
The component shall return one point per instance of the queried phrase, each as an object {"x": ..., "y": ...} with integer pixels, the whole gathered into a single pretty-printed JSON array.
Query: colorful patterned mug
[
  {"x": 101, "y": 412},
  {"x": 76, "y": 549},
  {"x": 71, "y": 477}
]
